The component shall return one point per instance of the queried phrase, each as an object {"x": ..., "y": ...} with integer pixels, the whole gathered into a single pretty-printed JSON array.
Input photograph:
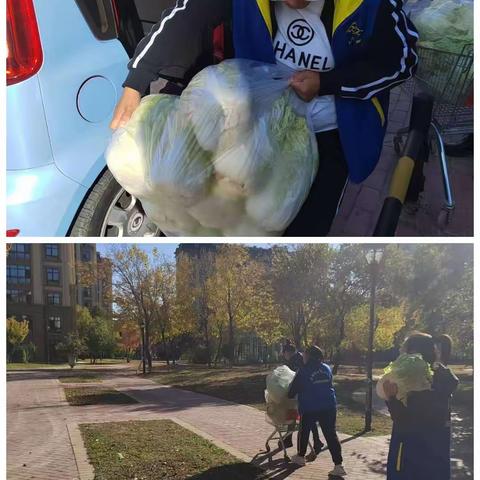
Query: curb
[
  {"x": 84, "y": 467},
  {"x": 218, "y": 443}
]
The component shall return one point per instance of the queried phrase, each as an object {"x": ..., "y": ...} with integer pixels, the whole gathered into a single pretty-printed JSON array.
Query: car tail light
[
  {"x": 24, "y": 49},
  {"x": 14, "y": 232}
]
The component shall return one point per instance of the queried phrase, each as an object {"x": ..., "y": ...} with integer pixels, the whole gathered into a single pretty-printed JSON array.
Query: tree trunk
[
  {"x": 337, "y": 354},
  {"x": 165, "y": 349},
  {"x": 231, "y": 331},
  {"x": 147, "y": 347},
  {"x": 219, "y": 348}
]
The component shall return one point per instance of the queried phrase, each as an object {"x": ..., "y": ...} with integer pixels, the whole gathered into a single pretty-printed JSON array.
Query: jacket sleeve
[
  {"x": 176, "y": 43},
  {"x": 295, "y": 386},
  {"x": 445, "y": 382},
  {"x": 390, "y": 58}
]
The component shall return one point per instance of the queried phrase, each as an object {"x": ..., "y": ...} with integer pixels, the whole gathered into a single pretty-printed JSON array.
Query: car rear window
[{"x": 100, "y": 16}]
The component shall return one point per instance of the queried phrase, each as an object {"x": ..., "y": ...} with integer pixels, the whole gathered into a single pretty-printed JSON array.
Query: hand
[
  {"x": 390, "y": 389},
  {"x": 306, "y": 84},
  {"x": 125, "y": 108}
]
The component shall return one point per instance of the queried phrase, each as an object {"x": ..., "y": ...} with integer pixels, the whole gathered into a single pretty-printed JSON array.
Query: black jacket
[
  {"x": 428, "y": 409},
  {"x": 181, "y": 45}
]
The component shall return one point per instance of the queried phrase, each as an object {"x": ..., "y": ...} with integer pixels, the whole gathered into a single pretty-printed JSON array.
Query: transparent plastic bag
[
  {"x": 444, "y": 24},
  {"x": 278, "y": 383},
  {"x": 232, "y": 156},
  {"x": 410, "y": 372},
  {"x": 280, "y": 408}
]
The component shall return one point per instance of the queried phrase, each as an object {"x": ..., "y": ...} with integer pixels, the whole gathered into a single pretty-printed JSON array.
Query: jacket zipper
[{"x": 399, "y": 457}]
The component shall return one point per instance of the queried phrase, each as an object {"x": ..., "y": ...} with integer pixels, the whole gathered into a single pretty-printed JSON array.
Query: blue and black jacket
[
  {"x": 373, "y": 43},
  {"x": 313, "y": 384},
  {"x": 421, "y": 435}
]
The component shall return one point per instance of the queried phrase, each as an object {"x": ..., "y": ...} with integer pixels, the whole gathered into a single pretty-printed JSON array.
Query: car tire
[{"x": 92, "y": 217}]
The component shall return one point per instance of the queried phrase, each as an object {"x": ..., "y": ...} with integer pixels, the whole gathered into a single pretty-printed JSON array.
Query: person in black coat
[{"x": 420, "y": 441}]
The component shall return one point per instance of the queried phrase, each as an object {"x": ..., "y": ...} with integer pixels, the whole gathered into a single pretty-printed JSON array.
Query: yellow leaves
[
  {"x": 388, "y": 322},
  {"x": 17, "y": 331}
]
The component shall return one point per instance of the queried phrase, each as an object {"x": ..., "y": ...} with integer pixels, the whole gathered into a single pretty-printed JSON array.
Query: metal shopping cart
[
  {"x": 288, "y": 426},
  {"x": 442, "y": 112}
]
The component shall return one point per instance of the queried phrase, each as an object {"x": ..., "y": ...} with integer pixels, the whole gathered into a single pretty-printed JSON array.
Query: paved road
[{"x": 38, "y": 445}]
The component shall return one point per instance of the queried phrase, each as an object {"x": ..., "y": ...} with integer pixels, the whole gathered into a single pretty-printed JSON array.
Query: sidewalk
[{"x": 38, "y": 445}]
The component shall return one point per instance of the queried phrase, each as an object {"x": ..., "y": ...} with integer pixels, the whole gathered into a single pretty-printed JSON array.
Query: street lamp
[{"x": 374, "y": 257}]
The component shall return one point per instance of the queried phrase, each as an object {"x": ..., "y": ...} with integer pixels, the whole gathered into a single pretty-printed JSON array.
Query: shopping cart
[
  {"x": 444, "y": 80},
  {"x": 288, "y": 426}
]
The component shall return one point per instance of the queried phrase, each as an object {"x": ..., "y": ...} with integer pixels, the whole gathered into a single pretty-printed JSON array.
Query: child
[
  {"x": 316, "y": 403},
  {"x": 346, "y": 57}
]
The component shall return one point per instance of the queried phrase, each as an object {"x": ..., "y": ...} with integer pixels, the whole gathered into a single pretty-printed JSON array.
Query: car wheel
[{"x": 110, "y": 211}]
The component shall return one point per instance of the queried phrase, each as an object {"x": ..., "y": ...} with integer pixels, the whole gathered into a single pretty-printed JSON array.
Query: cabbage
[
  {"x": 410, "y": 372},
  {"x": 129, "y": 154},
  {"x": 217, "y": 99},
  {"x": 232, "y": 156},
  {"x": 445, "y": 24}
]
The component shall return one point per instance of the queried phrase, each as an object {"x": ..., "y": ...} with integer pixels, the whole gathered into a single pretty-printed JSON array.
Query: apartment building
[{"x": 44, "y": 286}]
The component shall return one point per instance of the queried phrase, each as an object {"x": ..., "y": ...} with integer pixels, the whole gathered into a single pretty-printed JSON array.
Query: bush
[{"x": 200, "y": 355}]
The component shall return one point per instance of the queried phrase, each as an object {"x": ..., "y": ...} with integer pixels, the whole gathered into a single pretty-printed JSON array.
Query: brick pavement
[
  {"x": 38, "y": 445},
  {"x": 362, "y": 203}
]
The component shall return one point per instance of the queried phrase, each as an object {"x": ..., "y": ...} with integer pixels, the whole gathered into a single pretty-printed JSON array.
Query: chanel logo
[{"x": 300, "y": 33}]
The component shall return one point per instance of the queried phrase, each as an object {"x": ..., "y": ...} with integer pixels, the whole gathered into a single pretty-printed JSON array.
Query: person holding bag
[{"x": 345, "y": 57}]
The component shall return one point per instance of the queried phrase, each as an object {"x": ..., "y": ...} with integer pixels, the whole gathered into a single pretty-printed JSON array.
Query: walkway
[{"x": 38, "y": 445}]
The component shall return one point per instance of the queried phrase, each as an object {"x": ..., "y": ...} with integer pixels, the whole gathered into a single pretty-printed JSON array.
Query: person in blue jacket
[
  {"x": 420, "y": 441},
  {"x": 313, "y": 385},
  {"x": 345, "y": 57}
]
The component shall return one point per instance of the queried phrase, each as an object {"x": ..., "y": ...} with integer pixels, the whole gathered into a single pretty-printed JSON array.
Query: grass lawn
[
  {"x": 159, "y": 449},
  {"x": 81, "y": 378},
  {"x": 96, "y": 396},
  {"x": 246, "y": 385}
]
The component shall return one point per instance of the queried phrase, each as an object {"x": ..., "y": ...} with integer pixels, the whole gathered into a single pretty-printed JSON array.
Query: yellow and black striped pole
[{"x": 414, "y": 153}]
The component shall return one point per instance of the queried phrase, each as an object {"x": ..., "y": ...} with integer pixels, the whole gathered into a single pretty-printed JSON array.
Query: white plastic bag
[
  {"x": 233, "y": 156},
  {"x": 280, "y": 409}
]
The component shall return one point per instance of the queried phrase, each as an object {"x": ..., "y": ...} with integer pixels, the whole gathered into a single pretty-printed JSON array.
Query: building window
[
  {"x": 53, "y": 275},
  {"x": 18, "y": 274},
  {"x": 86, "y": 253},
  {"x": 18, "y": 296},
  {"x": 53, "y": 298},
  {"x": 52, "y": 251},
  {"x": 20, "y": 251},
  {"x": 54, "y": 324},
  {"x": 87, "y": 291}
]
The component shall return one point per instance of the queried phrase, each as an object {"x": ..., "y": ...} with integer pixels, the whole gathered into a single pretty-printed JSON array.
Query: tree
[
  {"x": 345, "y": 289},
  {"x": 389, "y": 321},
  {"x": 128, "y": 337},
  {"x": 132, "y": 281},
  {"x": 17, "y": 332},
  {"x": 96, "y": 333},
  {"x": 237, "y": 298},
  {"x": 192, "y": 309},
  {"x": 299, "y": 276},
  {"x": 72, "y": 346}
]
